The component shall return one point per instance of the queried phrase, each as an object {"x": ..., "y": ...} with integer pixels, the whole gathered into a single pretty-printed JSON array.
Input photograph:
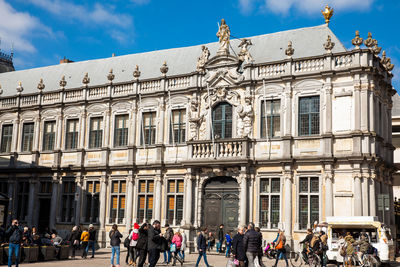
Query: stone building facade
[{"x": 281, "y": 129}]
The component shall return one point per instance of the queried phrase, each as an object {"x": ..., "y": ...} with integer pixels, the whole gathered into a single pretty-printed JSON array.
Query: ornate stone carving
[
  {"x": 222, "y": 94},
  {"x": 386, "y": 62},
  {"x": 86, "y": 79},
  {"x": 195, "y": 119},
  {"x": 40, "y": 85},
  {"x": 224, "y": 35},
  {"x": 110, "y": 75},
  {"x": 369, "y": 42},
  {"x": 357, "y": 40},
  {"x": 246, "y": 115},
  {"x": 164, "y": 69},
  {"x": 223, "y": 77},
  {"x": 20, "y": 88},
  {"x": 384, "y": 58},
  {"x": 202, "y": 60},
  {"x": 244, "y": 54},
  {"x": 329, "y": 45},
  {"x": 376, "y": 49},
  {"x": 63, "y": 82},
  {"x": 327, "y": 13},
  {"x": 289, "y": 50},
  {"x": 136, "y": 72}
]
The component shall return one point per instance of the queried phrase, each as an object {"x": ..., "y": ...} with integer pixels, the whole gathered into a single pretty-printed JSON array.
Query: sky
[{"x": 42, "y": 32}]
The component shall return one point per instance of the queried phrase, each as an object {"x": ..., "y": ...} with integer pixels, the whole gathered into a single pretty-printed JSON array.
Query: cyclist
[
  {"x": 306, "y": 242},
  {"x": 324, "y": 247},
  {"x": 349, "y": 250},
  {"x": 363, "y": 246}
]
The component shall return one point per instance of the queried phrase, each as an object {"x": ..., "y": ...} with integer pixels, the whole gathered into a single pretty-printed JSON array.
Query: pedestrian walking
[
  {"x": 252, "y": 241},
  {"x": 133, "y": 237},
  {"x": 349, "y": 250},
  {"x": 260, "y": 249},
  {"x": 155, "y": 240},
  {"x": 228, "y": 244},
  {"x": 220, "y": 235},
  {"x": 85, "y": 242},
  {"x": 238, "y": 247},
  {"x": 127, "y": 242},
  {"x": 210, "y": 241},
  {"x": 14, "y": 232},
  {"x": 74, "y": 239},
  {"x": 92, "y": 240},
  {"x": 141, "y": 245},
  {"x": 201, "y": 246},
  {"x": 280, "y": 247},
  {"x": 169, "y": 234},
  {"x": 115, "y": 242},
  {"x": 184, "y": 243},
  {"x": 341, "y": 251}
]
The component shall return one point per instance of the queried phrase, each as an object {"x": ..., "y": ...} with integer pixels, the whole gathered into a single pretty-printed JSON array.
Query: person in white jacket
[
  {"x": 341, "y": 246},
  {"x": 133, "y": 237},
  {"x": 183, "y": 247}
]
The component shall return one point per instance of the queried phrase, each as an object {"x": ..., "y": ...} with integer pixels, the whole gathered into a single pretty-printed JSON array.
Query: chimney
[{"x": 65, "y": 60}]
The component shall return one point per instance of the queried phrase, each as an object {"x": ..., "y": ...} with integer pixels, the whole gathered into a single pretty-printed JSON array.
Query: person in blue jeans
[
  {"x": 115, "y": 242},
  {"x": 15, "y": 233},
  {"x": 228, "y": 242},
  {"x": 202, "y": 247},
  {"x": 92, "y": 240}
]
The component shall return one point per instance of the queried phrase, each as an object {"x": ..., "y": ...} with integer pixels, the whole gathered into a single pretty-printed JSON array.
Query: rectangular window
[
  {"x": 71, "y": 141},
  {"x": 27, "y": 136},
  {"x": 23, "y": 200},
  {"x": 121, "y": 131},
  {"x": 272, "y": 110},
  {"x": 178, "y": 126},
  {"x": 175, "y": 201},
  {"x": 308, "y": 201},
  {"x": 96, "y": 132},
  {"x": 145, "y": 203},
  {"x": 270, "y": 189},
  {"x": 6, "y": 138},
  {"x": 49, "y": 135},
  {"x": 149, "y": 128},
  {"x": 92, "y": 202},
  {"x": 4, "y": 187},
  {"x": 118, "y": 191},
  {"x": 309, "y": 115},
  {"x": 46, "y": 187},
  {"x": 68, "y": 201}
]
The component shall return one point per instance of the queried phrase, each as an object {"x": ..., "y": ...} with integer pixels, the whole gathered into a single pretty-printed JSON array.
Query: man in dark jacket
[
  {"x": 141, "y": 244},
  {"x": 169, "y": 234},
  {"x": 202, "y": 247},
  {"x": 155, "y": 240},
  {"x": 14, "y": 233},
  {"x": 237, "y": 247},
  {"x": 221, "y": 238},
  {"x": 306, "y": 242},
  {"x": 252, "y": 242},
  {"x": 92, "y": 240}
]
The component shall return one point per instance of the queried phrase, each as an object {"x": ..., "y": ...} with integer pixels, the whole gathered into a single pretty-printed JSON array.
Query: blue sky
[{"x": 44, "y": 31}]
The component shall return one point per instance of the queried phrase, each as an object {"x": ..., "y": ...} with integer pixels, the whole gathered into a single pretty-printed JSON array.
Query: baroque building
[{"x": 281, "y": 129}]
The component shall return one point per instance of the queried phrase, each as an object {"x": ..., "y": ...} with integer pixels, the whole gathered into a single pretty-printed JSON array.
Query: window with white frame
[
  {"x": 96, "y": 132},
  {"x": 23, "y": 200},
  {"x": 49, "y": 135},
  {"x": 308, "y": 201},
  {"x": 175, "y": 193},
  {"x": 6, "y": 138},
  {"x": 68, "y": 201},
  {"x": 272, "y": 110},
  {"x": 117, "y": 209},
  {"x": 309, "y": 115},
  {"x": 121, "y": 130},
  {"x": 270, "y": 190},
  {"x": 92, "y": 201},
  {"x": 71, "y": 141},
  {"x": 27, "y": 136},
  {"x": 178, "y": 126},
  {"x": 149, "y": 128},
  {"x": 145, "y": 200}
]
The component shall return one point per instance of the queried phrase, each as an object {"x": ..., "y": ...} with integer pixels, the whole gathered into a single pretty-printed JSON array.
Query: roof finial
[
  {"x": 164, "y": 68},
  {"x": 86, "y": 79},
  {"x": 328, "y": 13},
  {"x": 111, "y": 75},
  {"x": 136, "y": 72},
  {"x": 329, "y": 44},
  {"x": 357, "y": 40},
  {"x": 63, "y": 82},
  {"x": 290, "y": 50},
  {"x": 40, "y": 85}
]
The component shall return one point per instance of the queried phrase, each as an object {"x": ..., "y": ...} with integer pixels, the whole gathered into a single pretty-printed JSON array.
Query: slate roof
[
  {"x": 266, "y": 48},
  {"x": 396, "y": 105}
]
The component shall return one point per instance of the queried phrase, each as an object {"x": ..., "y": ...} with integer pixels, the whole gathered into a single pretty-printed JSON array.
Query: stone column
[
  {"x": 287, "y": 111},
  {"x": 372, "y": 194},
  {"x": 54, "y": 199},
  {"x": 132, "y": 126},
  {"x": 328, "y": 193},
  {"x": 357, "y": 195},
  {"x": 102, "y": 211},
  {"x": 78, "y": 199},
  {"x": 36, "y": 135},
  {"x": 32, "y": 201},
  {"x": 12, "y": 212},
  {"x": 327, "y": 121},
  {"x": 188, "y": 198},
  {"x": 243, "y": 196},
  {"x": 357, "y": 109},
  {"x": 161, "y": 119},
  {"x": 15, "y": 139},
  {"x": 82, "y": 130},
  {"x": 60, "y": 122},
  {"x": 287, "y": 176},
  {"x": 364, "y": 194},
  {"x": 129, "y": 203},
  {"x": 135, "y": 199},
  {"x": 158, "y": 198},
  {"x": 364, "y": 110},
  {"x": 107, "y": 127},
  {"x": 251, "y": 198},
  {"x": 257, "y": 204}
]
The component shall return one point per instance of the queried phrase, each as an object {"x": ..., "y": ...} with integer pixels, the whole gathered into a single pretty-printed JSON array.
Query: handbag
[
  {"x": 279, "y": 246},
  {"x": 236, "y": 262},
  {"x": 172, "y": 248}
]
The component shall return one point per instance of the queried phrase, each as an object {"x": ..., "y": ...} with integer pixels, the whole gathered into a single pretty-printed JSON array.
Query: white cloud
[
  {"x": 306, "y": 6},
  {"x": 19, "y": 28}
]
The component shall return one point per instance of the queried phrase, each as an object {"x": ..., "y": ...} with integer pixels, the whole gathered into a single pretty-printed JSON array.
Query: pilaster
[
  {"x": 102, "y": 211},
  {"x": 288, "y": 181},
  {"x": 242, "y": 180}
]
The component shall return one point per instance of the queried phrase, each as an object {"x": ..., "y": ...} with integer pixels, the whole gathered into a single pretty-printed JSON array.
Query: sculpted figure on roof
[
  {"x": 202, "y": 60},
  {"x": 244, "y": 54},
  {"x": 224, "y": 35}
]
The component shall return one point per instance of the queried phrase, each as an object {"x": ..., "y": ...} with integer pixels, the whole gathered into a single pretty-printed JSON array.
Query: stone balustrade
[{"x": 226, "y": 148}]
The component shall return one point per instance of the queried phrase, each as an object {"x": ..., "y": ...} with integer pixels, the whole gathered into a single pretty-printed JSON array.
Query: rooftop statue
[
  {"x": 244, "y": 54},
  {"x": 224, "y": 35},
  {"x": 202, "y": 60}
]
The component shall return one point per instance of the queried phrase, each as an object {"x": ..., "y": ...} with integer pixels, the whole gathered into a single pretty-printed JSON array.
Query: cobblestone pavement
[{"x": 102, "y": 258}]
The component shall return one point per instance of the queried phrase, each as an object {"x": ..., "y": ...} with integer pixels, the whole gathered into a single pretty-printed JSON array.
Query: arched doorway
[{"x": 221, "y": 203}]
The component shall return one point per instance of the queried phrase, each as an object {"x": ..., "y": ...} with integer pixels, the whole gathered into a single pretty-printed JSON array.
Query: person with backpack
[
  {"x": 141, "y": 245},
  {"x": 341, "y": 251},
  {"x": 133, "y": 237},
  {"x": 228, "y": 244},
  {"x": 115, "y": 242},
  {"x": 280, "y": 247},
  {"x": 169, "y": 234}
]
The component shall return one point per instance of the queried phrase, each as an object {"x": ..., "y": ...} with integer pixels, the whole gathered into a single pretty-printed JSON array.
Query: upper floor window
[
  {"x": 121, "y": 131},
  {"x": 178, "y": 126},
  {"x": 49, "y": 135},
  {"x": 308, "y": 201},
  {"x": 27, "y": 136},
  {"x": 270, "y": 190},
  {"x": 96, "y": 132},
  {"x": 71, "y": 141},
  {"x": 6, "y": 138},
  {"x": 149, "y": 128},
  {"x": 309, "y": 115},
  {"x": 271, "y": 109},
  {"x": 222, "y": 120},
  {"x": 175, "y": 201}
]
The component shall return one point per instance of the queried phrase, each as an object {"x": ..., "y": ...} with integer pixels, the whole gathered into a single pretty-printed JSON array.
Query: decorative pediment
[
  {"x": 221, "y": 61},
  {"x": 220, "y": 94},
  {"x": 223, "y": 77}
]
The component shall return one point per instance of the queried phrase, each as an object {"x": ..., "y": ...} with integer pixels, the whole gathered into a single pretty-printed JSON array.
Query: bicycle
[{"x": 297, "y": 259}]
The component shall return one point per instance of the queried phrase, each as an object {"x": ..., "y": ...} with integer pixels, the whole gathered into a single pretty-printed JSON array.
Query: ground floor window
[
  {"x": 23, "y": 200},
  {"x": 145, "y": 200},
  {"x": 68, "y": 201},
  {"x": 270, "y": 189},
  {"x": 117, "y": 209},
  {"x": 175, "y": 201},
  {"x": 308, "y": 201},
  {"x": 92, "y": 202}
]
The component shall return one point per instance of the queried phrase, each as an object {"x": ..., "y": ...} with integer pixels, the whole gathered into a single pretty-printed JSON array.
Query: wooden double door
[{"x": 221, "y": 203}]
